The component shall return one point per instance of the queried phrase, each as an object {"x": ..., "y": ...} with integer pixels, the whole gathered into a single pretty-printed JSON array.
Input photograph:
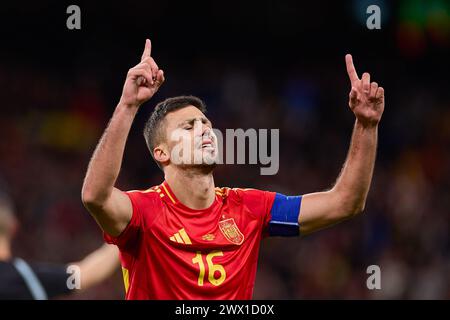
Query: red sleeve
[
  {"x": 260, "y": 203},
  {"x": 132, "y": 232},
  {"x": 268, "y": 199}
]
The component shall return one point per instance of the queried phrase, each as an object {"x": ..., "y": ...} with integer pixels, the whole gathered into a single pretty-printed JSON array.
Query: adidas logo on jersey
[{"x": 181, "y": 237}]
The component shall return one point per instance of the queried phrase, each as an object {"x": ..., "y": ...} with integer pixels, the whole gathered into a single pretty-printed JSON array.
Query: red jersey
[{"x": 170, "y": 251}]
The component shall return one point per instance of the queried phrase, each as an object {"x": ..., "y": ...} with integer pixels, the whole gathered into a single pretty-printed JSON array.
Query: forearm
[
  {"x": 98, "y": 266},
  {"x": 348, "y": 196},
  {"x": 353, "y": 183},
  {"x": 106, "y": 161}
]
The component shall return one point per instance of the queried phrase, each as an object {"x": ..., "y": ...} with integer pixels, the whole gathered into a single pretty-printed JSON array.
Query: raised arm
[
  {"x": 348, "y": 196},
  {"x": 109, "y": 206}
]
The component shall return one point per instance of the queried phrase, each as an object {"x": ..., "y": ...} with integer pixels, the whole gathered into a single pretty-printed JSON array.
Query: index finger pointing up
[
  {"x": 147, "y": 50},
  {"x": 351, "y": 69}
]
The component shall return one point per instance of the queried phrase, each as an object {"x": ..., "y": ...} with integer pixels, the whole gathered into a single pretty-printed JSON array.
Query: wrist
[
  {"x": 130, "y": 108},
  {"x": 366, "y": 125}
]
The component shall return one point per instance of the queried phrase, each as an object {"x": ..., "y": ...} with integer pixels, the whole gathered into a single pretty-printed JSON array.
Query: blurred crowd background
[{"x": 268, "y": 65}]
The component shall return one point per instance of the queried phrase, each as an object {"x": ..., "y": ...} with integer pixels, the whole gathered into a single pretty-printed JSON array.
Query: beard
[
  {"x": 208, "y": 163},
  {"x": 203, "y": 168}
]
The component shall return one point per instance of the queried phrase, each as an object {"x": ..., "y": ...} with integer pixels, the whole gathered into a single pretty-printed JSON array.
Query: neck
[
  {"x": 5, "y": 249},
  {"x": 193, "y": 187}
]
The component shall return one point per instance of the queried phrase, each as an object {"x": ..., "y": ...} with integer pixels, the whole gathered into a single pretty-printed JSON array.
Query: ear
[{"x": 161, "y": 154}]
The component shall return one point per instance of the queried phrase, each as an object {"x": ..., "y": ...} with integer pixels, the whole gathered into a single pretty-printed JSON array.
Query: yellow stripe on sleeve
[{"x": 126, "y": 279}]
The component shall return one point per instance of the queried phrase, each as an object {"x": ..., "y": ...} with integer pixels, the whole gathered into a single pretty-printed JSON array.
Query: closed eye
[{"x": 189, "y": 124}]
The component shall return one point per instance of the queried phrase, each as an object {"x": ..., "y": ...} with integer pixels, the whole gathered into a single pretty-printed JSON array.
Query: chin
[
  {"x": 207, "y": 167},
  {"x": 203, "y": 167},
  {"x": 208, "y": 163},
  {"x": 210, "y": 159}
]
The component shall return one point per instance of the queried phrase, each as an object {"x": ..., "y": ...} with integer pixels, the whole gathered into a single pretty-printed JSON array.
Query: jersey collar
[{"x": 167, "y": 194}]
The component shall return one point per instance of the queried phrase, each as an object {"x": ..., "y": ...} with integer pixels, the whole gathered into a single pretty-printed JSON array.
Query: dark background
[{"x": 265, "y": 64}]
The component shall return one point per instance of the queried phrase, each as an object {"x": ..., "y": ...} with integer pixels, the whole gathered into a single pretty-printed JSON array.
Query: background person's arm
[
  {"x": 98, "y": 266},
  {"x": 348, "y": 196},
  {"x": 110, "y": 207}
]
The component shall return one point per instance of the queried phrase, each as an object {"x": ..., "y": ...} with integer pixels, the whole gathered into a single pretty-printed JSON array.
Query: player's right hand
[{"x": 143, "y": 80}]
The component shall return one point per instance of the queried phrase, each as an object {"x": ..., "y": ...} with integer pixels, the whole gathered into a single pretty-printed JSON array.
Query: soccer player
[
  {"x": 187, "y": 239},
  {"x": 40, "y": 281}
]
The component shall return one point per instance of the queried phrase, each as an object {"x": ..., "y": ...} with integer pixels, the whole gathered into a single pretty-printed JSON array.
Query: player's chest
[{"x": 225, "y": 228}]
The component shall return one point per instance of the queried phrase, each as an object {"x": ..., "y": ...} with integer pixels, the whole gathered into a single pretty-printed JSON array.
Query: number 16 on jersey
[{"x": 212, "y": 268}]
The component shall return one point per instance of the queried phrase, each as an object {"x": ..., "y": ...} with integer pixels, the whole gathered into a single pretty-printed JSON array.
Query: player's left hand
[{"x": 366, "y": 98}]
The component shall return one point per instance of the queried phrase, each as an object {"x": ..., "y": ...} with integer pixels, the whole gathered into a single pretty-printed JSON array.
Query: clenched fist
[
  {"x": 366, "y": 98},
  {"x": 142, "y": 81}
]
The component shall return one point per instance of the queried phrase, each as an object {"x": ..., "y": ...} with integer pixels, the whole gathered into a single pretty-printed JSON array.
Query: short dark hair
[{"x": 153, "y": 132}]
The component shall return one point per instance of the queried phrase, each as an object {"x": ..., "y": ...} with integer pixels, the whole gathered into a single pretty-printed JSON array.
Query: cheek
[
  {"x": 178, "y": 136},
  {"x": 187, "y": 141}
]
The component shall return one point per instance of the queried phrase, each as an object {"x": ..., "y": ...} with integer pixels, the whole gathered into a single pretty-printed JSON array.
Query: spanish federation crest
[{"x": 231, "y": 231}]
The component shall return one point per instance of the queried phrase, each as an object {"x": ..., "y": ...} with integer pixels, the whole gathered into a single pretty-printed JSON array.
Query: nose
[
  {"x": 202, "y": 129},
  {"x": 206, "y": 130}
]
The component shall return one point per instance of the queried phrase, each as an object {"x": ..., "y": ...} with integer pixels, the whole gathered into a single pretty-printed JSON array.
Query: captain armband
[{"x": 284, "y": 216}]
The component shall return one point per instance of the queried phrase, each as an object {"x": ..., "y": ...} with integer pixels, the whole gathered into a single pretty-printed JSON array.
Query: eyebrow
[{"x": 191, "y": 121}]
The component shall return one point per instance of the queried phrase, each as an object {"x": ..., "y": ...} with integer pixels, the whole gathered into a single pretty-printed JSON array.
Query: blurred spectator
[{"x": 21, "y": 280}]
